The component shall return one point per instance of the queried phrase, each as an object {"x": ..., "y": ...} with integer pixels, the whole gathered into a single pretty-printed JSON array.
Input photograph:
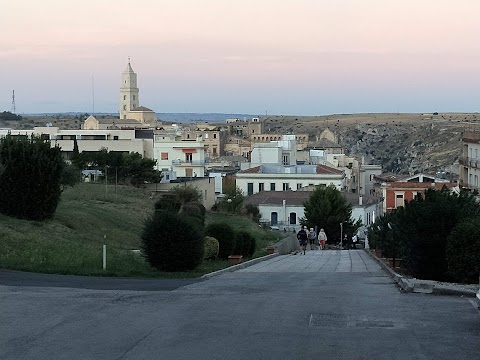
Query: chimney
[{"x": 360, "y": 200}]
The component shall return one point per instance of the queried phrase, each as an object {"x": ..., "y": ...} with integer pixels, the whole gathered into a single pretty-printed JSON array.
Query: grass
[{"x": 89, "y": 216}]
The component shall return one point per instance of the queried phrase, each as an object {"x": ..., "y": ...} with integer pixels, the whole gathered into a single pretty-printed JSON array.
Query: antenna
[
  {"x": 93, "y": 96},
  {"x": 13, "y": 102}
]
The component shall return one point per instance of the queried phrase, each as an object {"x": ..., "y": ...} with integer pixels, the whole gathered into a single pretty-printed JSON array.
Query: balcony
[
  {"x": 469, "y": 162},
  {"x": 179, "y": 162}
]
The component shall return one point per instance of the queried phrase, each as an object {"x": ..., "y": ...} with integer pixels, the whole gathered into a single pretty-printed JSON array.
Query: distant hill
[{"x": 174, "y": 117}]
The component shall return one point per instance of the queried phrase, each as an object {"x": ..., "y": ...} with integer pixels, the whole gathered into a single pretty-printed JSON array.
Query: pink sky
[{"x": 281, "y": 56}]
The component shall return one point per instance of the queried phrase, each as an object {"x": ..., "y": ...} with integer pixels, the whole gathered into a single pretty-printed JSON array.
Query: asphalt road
[{"x": 324, "y": 305}]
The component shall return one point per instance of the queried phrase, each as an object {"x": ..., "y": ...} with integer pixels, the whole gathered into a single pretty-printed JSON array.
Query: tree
[
  {"x": 327, "y": 209},
  {"x": 30, "y": 185},
  {"x": 423, "y": 225},
  {"x": 233, "y": 200},
  {"x": 463, "y": 251}
]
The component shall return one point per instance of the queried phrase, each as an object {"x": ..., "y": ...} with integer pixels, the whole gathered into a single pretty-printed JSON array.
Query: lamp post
[
  {"x": 341, "y": 235},
  {"x": 391, "y": 227}
]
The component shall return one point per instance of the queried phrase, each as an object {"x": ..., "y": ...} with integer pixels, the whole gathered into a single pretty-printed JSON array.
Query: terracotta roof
[
  {"x": 324, "y": 169},
  {"x": 417, "y": 185},
  {"x": 253, "y": 170},
  {"x": 141, "y": 108}
]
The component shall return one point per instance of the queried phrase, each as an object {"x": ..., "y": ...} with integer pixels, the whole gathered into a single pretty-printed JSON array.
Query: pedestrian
[
  {"x": 312, "y": 236},
  {"x": 322, "y": 238},
  {"x": 302, "y": 239}
]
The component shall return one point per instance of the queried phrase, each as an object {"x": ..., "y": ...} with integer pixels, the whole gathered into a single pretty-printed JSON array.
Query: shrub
[
  {"x": 195, "y": 210},
  {"x": 171, "y": 242},
  {"x": 30, "y": 184},
  {"x": 244, "y": 244},
  {"x": 463, "y": 252},
  {"x": 225, "y": 235},
  {"x": 168, "y": 203},
  {"x": 211, "y": 248}
]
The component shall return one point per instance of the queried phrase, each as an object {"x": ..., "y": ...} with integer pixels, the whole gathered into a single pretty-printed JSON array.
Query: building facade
[
  {"x": 184, "y": 157},
  {"x": 470, "y": 160},
  {"x": 283, "y": 178}
]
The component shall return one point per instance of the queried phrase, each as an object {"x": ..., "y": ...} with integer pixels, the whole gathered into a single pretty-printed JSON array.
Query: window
[
  {"x": 124, "y": 97},
  {"x": 189, "y": 172},
  {"x": 133, "y": 97},
  {"x": 399, "y": 201},
  {"x": 261, "y": 187},
  {"x": 286, "y": 186},
  {"x": 214, "y": 136},
  {"x": 272, "y": 186},
  {"x": 188, "y": 136},
  {"x": 115, "y": 137},
  {"x": 188, "y": 157},
  {"x": 293, "y": 218},
  {"x": 299, "y": 186},
  {"x": 214, "y": 151},
  {"x": 285, "y": 160},
  {"x": 274, "y": 218},
  {"x": 206, "y": 136},
  {"x": 124, "y": 107},
  {"x": 164, "y": 156},
  {"x": 372, "y": 176},
  {"x": 250, "y": 189}
]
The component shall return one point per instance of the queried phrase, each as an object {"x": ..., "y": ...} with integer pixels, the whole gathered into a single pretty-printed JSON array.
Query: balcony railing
[
  {"x": 179, "y": 162},
  {"x": 467, "y": 161}
]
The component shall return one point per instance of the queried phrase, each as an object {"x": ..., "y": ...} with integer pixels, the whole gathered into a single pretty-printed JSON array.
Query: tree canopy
[
  {"x": 327, "y": 208},
  {"x": 30, "y": 184}
]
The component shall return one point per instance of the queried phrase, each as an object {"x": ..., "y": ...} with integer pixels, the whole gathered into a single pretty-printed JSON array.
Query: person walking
[
  {"x": 322, "y": 238},
  {"x": 312, "y": 237},
  {"x": 302, "y": 239}
]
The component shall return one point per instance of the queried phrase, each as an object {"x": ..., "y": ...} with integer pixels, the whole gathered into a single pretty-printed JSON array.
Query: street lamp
[
  {"x": 341, "y": 235},
  {"x": 393, "y": 238}
]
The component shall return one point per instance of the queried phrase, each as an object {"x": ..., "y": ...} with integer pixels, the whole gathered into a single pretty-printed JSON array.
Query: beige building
[{"x": 130, "y": 99}]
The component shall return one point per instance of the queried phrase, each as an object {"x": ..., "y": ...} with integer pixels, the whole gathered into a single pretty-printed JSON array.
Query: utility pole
[{"x": 13, "y": 102}]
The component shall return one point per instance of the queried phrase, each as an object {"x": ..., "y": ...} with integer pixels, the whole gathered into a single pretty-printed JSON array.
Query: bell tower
[{"x": 128, "y": 92}]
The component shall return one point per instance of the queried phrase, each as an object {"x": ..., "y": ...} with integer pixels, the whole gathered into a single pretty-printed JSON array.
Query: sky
[{"x": 282, "y": 57}]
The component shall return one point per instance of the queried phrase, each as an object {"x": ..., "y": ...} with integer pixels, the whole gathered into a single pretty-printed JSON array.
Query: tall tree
[
  {"x": 30, "y": 185},
  {"x": 327, "y": 209}
]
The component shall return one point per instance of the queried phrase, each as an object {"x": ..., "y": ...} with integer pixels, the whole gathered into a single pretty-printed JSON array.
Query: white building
[
  {"x": 285, "y": 208},
  {"x": 281, "y": 152},
  {"x": 470, "y": 160},
  {"x": 295, "y": 177},
  {"x": 184, "y": 157},
  {"x": 125, "y": 141}
]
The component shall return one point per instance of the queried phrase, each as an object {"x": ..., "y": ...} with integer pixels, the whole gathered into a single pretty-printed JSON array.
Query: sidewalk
[{"x": 429, "y": 286}]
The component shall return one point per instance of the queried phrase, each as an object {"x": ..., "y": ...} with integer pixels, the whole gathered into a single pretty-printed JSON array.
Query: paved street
[{"x": 323, "y": 305}]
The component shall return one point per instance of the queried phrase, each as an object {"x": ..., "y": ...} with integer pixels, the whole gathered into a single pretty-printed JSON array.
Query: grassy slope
[{"x": 87, "y": 217}]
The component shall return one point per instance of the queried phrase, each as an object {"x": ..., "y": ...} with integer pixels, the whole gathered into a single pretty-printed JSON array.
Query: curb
[
  {"x": 239, "y": 266},
  {"x": 424, "y": 287}
]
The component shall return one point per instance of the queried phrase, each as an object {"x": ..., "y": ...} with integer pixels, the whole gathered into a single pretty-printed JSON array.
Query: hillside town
[{"x": 275, "y": 171}]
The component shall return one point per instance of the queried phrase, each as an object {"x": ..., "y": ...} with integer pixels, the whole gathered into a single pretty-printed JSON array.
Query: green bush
[
  {"x": 171, "y": 242},
  {"x": 211, "y": 248},
  {"x": 30, "y": 184},
  {"x": 168, "y": 203},
  {"x": 225, "y": 235},
  {"x": 195, "y": 210},
  {"x": 463, "y": 252},
  {"x": 244, "y": 244}
]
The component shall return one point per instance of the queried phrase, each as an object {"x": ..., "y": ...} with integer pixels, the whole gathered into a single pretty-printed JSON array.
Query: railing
[
  {"x": 189, "y": 163},
  {"x": 467, "y": 161}
]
